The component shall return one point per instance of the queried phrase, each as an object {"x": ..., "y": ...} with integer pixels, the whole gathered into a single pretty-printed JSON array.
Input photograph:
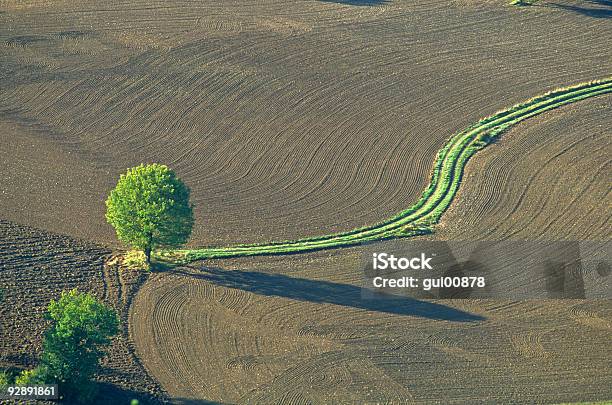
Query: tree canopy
[{"x": 149, "y": 208}]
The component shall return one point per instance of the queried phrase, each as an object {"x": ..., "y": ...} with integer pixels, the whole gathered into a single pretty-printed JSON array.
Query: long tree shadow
[
  {"x": 347, "y": 295},
  {"x": 114, "y": 394},
  {"x": 594, "y": 12}
]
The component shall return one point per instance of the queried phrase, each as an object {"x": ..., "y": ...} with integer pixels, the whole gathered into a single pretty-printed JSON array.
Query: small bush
[
  {"x": 5, "y": 379},
  {"x": 30, "y": 377},
  {"x": 72, "y": 347}
]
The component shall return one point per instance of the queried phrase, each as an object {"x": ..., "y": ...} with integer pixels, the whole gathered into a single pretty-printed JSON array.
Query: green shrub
[
  {"x": 72, "y": 346},
  {"x": 30, "y": 377},
  {"x": 135, "y": 259},
  {"x": 5, "y": 379}
]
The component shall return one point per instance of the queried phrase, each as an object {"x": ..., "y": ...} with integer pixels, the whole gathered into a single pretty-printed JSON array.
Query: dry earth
[
  {"x": 278, "y": 330},
  {"x": 547, "y": 178},
  {"x": 298, "y": 118}
]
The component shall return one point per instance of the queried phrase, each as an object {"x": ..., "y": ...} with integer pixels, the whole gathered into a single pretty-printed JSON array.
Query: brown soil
[
  {"x": 547, "y": 178},
  {"x": 290, "y": 119},
  {"x": 296, "y": 330},
  {"x": 35, "y": 267}
]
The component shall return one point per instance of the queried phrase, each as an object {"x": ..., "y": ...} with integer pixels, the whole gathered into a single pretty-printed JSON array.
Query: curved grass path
[{"x": 437, "y": 197}]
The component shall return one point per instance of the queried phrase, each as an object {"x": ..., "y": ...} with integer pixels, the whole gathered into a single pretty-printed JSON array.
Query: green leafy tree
[
  {"x": 72, "y": 347},
  {"x": 150, "y": 208}
]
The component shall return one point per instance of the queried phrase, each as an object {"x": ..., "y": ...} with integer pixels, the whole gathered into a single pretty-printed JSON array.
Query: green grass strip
[{"x": 446, "y": 176}]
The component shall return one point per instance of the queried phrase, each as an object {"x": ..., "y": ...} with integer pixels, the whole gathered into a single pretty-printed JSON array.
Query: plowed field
[
  {"x": 298, "y": 331},
  {"x": 291, "y": 119},
  {"x": 287, "y": 119},
  {"x": 547, "y": 178}
]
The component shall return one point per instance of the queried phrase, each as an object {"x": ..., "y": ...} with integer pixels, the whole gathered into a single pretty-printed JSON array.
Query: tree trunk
[
  {"x": 148, "y": 248},
  {"x": 147, "y": 252}
]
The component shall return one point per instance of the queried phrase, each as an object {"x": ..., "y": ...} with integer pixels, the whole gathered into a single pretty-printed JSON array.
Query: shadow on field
[
  {"x": 601, "y": 2},
  {"x": 358, "y": 2},
  {"x": 113, "y": 394},
  {"x": 594, "y": 12},
  {"x": 347, "y": 295}
]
